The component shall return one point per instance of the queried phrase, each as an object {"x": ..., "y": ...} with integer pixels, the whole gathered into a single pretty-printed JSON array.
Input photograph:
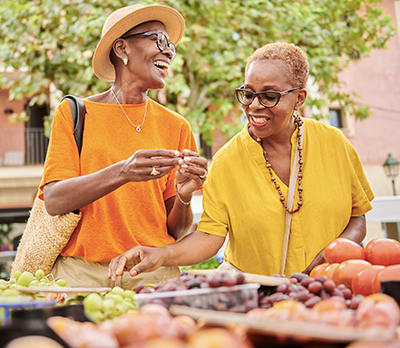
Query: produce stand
[{"x": 211, "y": 305}]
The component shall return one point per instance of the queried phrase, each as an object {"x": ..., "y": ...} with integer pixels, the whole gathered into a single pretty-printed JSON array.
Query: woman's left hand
[
  {"x": 191, "y": 174},
  {"x": 317, "y": 261}
]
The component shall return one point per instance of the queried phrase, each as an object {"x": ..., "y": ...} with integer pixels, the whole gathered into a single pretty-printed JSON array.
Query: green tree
[{"x": 52, "y": 41}]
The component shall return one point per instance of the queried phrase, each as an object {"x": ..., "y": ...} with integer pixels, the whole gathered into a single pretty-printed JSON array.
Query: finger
[
  {"x": 158, "y": 162},
  {"x": 188, "y": 152},
  {"x": 158, "y": 153},
  {"x": 196, "y": 170},
  {"x": 141, "y": 267},
  {"x": 121, "y": 265},
  {"x": 199, "y": 161}
]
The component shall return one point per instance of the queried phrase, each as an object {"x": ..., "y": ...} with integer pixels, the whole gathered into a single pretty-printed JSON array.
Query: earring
[{"x": 125, "y": 60}]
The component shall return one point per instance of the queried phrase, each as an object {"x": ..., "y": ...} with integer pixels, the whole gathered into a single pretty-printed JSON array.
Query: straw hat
[{"x": 124, "y": 19}]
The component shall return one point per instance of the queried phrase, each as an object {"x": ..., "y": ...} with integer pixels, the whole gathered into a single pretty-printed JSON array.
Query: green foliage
[
  {"x": 208, "y": 264},
  {"x": 52, "y": 41}
]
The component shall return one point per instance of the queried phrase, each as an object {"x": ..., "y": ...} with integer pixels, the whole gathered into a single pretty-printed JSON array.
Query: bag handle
[
  {"x": 290, "y": 199},
  {"x": 78, "y": 110}
]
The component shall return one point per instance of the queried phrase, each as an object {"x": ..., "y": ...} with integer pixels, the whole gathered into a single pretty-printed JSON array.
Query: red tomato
[
  {"x": 363, "y": 282},
  {"x": 347, "y": 270},
  {"x": 343, "y": 249},
  {"x": 316, "y": 271},
  {"x": 329, "y": 270},
  {"x": 387, "y": 274},
  {"x": 383, "y": 251}
]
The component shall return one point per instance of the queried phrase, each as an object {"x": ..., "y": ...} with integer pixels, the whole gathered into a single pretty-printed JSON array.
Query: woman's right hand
[
  {"x": 145, "y": 165},
  {"x": 136, "y": 260}
]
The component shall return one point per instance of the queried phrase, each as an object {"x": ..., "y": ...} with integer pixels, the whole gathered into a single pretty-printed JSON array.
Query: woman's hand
[
  {"x": 191, "y": 174},
  {"x": 317, "y": 261},
  {"x": 136, "y": 260},
  {"x": 145, "y": 165}
]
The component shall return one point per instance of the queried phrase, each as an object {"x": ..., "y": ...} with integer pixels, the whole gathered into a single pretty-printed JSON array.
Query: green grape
[
  {"x": 16, "y": 275},
  {"x": 108, "y": 304},
  {"x": 34, "y": 282},
  {"x": 61, "y": 282},
  {"x": 116, "y": 298},
  {"x": 93, "y": 303},
  {"x": 25, "y": 278},
  {"x": 129, "y": 294},
  {"x": 39, "y": 274},
  {"x": 117, "y": 290}
]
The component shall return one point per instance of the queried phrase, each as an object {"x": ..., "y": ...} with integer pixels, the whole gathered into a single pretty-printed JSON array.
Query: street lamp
[{"x": 392, "y": 167}]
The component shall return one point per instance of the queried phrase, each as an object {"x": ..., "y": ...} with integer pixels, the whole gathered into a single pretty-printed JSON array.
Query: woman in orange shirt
[{"x": 136, "y": 158}]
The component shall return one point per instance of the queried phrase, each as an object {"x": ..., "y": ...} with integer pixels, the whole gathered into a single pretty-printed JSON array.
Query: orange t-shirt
[{"x": 135, "y": 213}]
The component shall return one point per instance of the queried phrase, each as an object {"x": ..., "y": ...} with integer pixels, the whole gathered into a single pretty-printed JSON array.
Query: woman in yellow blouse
[{"x": 245, "y": 194}]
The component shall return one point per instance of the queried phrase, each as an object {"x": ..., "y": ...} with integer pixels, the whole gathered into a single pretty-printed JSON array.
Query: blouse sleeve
[
  {"x": 362, "y": 193},
  {"x": 214, "y": 219},
  {"x": 62, "y": 158}
]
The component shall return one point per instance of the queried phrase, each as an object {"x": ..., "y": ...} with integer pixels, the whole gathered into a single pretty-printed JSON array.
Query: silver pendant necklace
[{"x": 138, "y": 127}]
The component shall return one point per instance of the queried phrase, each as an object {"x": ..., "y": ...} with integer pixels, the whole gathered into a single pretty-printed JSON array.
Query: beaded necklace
[{"x": 298, "y": 123}]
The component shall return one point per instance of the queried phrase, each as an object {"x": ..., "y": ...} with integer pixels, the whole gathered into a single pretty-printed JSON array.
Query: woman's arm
[
  {"x": 190, "y": 176},
  {"x": 355, "y": 230},
  {"x": 71, "y": 194},
  {"x": 193, "y": 249}
]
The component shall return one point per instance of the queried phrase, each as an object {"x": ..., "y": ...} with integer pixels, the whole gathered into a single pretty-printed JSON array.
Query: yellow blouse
[{"x": 240, "y": 199}]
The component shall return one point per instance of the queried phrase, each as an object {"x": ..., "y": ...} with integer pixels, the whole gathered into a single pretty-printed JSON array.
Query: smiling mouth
[
  {"x": 259, "y": 121},
  {"x": 160, "y": 64}
]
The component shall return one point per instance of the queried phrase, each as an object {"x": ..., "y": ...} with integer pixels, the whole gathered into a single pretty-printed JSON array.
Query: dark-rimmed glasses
[
  {"x": 268, "y": 99},
  {"x": 161, "y": 39}
]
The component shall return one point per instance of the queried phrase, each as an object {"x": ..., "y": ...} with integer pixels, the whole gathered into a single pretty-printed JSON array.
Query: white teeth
[
  {"x": 259, "y": 119},
  {"x": 161, "y": 64}
]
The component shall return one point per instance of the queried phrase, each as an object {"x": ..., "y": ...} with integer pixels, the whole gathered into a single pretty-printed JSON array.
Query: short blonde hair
[{"x": 291, "y": 55}]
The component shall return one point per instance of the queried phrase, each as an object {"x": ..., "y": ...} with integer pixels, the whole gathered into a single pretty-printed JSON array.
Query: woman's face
[
  {"x": 271, "y": 75},
  {"x": 146, "y": 63}
]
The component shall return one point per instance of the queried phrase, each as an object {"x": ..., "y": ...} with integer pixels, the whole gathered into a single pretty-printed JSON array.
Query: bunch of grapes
[
  {"x": 187, "y": 281},
  {"x": 309, "y": 291},
  {"x": 100, "y": 307},
  {"x": 238, "y": 300}
]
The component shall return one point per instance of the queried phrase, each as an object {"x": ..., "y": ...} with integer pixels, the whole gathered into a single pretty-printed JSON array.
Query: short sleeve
[
  {"x": 362, "y": 194},
  {"x": 214, "y": 219},
  {"x": 186, "y": 141},
  {"x": 62, "y": 158}
]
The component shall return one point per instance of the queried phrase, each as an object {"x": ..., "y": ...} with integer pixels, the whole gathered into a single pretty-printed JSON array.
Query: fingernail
[
  {"x": 187, "y": 159},
  {"x": 180, "y": 161},
  {"x": 177, "y": 153}
]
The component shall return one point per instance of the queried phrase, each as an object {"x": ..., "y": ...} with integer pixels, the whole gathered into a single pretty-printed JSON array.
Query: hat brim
[{"x": 172, "y": 19}]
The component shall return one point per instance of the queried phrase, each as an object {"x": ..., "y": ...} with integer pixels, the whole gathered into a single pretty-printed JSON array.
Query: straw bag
[{"x": 45, "y": 236}]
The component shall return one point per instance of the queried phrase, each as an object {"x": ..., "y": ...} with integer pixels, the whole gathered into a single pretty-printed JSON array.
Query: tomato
[
  {"x": 383, "y": 251},
  {"x": 343, "y": 249},
  {"x": 331, "y": 304},
  {"x": 329, "y": 270},
  {"x": 347, "y": 270},
  {"x": 387, "y": 274},
  {"x": 316, "y": 271},
  {"x": 363, "y": 282}
]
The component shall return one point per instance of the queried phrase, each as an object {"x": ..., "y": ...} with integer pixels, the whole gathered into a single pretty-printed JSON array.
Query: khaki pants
[{"x": 80, "y": 273}]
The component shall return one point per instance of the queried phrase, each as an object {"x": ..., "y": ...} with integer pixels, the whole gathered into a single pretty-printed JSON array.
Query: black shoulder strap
[{"x": 78, "y": 110}]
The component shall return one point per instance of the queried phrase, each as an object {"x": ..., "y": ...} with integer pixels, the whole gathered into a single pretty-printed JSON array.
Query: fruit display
[
  {"x": 308, "y": 291},
  {"x": 109, "y": 305},
  {"x": 152, "y": 327},
  {"x": 374, "y": 312},
  {"x": 361, "y": 269},
  {"x": 219, "y": 291}
]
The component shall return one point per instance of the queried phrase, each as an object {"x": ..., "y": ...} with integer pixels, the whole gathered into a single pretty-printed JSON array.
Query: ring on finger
[
  {"x": 154, "y": 171},
  {"x": 204, "y": 175}
]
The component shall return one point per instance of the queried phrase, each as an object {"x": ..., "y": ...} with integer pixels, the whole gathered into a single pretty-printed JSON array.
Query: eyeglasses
[
  {"x": 268, "y": 99},
  {"x": 162, "y": 40}
]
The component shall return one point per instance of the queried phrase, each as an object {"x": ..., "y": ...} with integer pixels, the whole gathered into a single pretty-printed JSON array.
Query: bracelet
[{"x": 181, "y": 200}]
